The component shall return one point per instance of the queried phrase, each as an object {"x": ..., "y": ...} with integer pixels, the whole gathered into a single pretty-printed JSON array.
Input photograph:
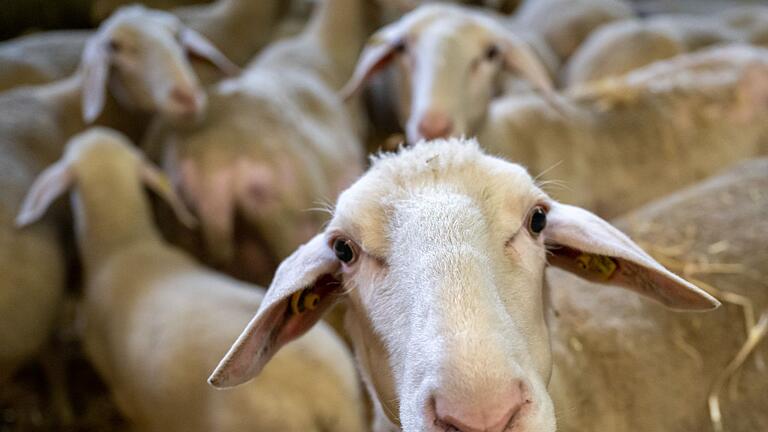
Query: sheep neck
[{"x": 111, "y": 211}]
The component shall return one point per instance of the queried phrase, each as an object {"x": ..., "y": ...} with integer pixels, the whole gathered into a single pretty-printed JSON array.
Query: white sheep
[
  {"x": 749, "y": 20},
  {"x": 451, "y": 62},
  {"x": 643, "y": 368},
  {"x": 36, "y": 59},
  {"x": 237, "y": 27},
  {"x": 651, "y": 131},
  {"x": 277, "y": 142},
  {"x": 622, "y": 46},
  {"x": 133, "y": 66},
  {"x": 440, "y": 252},
  {"x": 565, "y": 24},
  {"x": 156, "y": 321}
]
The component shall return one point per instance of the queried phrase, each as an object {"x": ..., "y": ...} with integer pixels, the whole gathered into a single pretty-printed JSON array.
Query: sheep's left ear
[
  {"x": 584, "y": 244},
  {"x": 304, "y": 287},
  {"x": 94, "y": 67},
  {"x": 198, "y": 45}
]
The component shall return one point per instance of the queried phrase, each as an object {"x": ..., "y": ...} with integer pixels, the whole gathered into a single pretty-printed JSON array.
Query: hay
[
  {"x": 755, "y": 330},
  {"x": 756, "y": 335}
]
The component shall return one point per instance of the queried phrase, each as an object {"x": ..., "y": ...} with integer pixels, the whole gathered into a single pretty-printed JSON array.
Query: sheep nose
[
  {"x": 435, "y": 125},
  {"x": 492, "y": 415},
  {"x": 185, "y": 101}
]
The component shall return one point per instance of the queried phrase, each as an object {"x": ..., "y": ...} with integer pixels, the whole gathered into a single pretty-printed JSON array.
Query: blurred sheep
[
  {"x": 623, "y": 46},
  {"x": 621, "y": 142},
  {"x": 276, "y": 143},
  {"x": 154, "y": 335},
  {"x": 132, "y": 68}
]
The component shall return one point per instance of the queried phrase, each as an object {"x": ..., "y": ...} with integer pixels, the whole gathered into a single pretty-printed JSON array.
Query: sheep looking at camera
[{"x": 440, "y": 252}]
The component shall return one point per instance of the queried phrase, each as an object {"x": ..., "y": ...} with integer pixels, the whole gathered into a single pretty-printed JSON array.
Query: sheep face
[
  {"x": 440, "y": 252},
  {"x": 140, "y": 55},
  {"x": 450, "y": 63}
]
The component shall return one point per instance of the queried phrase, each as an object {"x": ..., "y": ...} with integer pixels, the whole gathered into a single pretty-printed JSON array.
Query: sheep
[
  {"x": 237, "y": 27},
  {"x": 154, "y": 335},
  {"x": 276, "y": 142},
  {"x": 565, "y": 24},
  {"x": 136, "y": 56},
  {"x": 440, "y": 94},
  {"x": 716, "y": 233},
  {"x": 623, "y": 46},
  {"x": 36, "y": 59},
  {"x": 751, "y": 21},
  {"x": 655, "y": 129},
  {"x": 439, "y": 251}
]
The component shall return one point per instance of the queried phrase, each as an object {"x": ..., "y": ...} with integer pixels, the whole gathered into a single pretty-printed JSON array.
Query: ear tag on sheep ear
[
  {"x": 602, "y": 265},
  {"x": 304, "y": 300}
]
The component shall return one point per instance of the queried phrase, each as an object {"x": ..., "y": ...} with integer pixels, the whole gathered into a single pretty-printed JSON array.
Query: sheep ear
[
  {"x": 95, "y": 69},
  {"x": 158, "y": 182},
  {"x": 590, "y": 247},
  {"x": 377, "y": 54},
  {"x": 520, "y": 58},
  {"x": 49, "y": 185},
  {"x": 198, "y": 45},
  {"x": 304, "y": 287}
]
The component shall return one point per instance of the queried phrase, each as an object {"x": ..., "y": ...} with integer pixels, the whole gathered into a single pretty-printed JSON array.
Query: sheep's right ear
[
  {"x": 158, "y": 182},
  {"x": 377, "y": 54},
  {"x": 49, "y": 185},
  {"x": 304, "y": 287},
  {"x": 94, "y": 68}
]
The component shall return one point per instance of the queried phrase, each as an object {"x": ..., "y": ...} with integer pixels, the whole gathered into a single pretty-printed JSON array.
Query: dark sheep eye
[
  {"x": 492, "y": 52},
  {"x": 399, "y": 47},
  {"x": 538, "y": 220},
  {"x": 343, "y": 250}
]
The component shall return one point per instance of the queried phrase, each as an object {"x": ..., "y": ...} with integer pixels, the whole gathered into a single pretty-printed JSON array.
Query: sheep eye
[
  {"x": 399, "y": 47},
  {"x": 538, "y": 220},
  {"x": 343, "y": 250},
  {"x": 492, "y": 52}
]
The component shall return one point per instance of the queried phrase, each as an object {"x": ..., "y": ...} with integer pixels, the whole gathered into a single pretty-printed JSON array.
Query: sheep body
[
  {"x": 153, "y": 335},
  {"x": 276, "y": 142},
  {"x": 615, "y": 341},
  {"x": 565, "y": 24},
  {"x": 40, "y": 58},
  {"x": 622, "y": 46},
  {"x": 694, "y": 112}
]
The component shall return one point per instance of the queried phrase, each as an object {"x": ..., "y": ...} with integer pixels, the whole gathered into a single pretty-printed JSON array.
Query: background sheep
[
  {"x": 440, "y": 252},
  {"x": 153, "y": 336},
  {"x": 622, "y": 46},
  {"x": 714, "y": 234},
  {"x": 564, "y": 24},
  {"x": 440, "y": 95},
  {"x": 694, "y": 113},
  {"x": 751, "y": 21},
  {"x": 35, "y": 122},
  {"x": 277, "y": 141}
]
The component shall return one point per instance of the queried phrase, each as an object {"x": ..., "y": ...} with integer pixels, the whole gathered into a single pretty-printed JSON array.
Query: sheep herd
[{"x": 380, "y": 215}]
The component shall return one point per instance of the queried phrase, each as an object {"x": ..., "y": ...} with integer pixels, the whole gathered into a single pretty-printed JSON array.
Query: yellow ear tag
[
  {"x": 303, "y": 301},
  {"x": 603, "y": 265}
]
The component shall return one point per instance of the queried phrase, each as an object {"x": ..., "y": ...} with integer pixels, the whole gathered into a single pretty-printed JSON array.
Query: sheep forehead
[
  {"x": 99, "y": 144},
  {"x": 442, "y": 169},
  {"x": 139, "y": 22}
]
